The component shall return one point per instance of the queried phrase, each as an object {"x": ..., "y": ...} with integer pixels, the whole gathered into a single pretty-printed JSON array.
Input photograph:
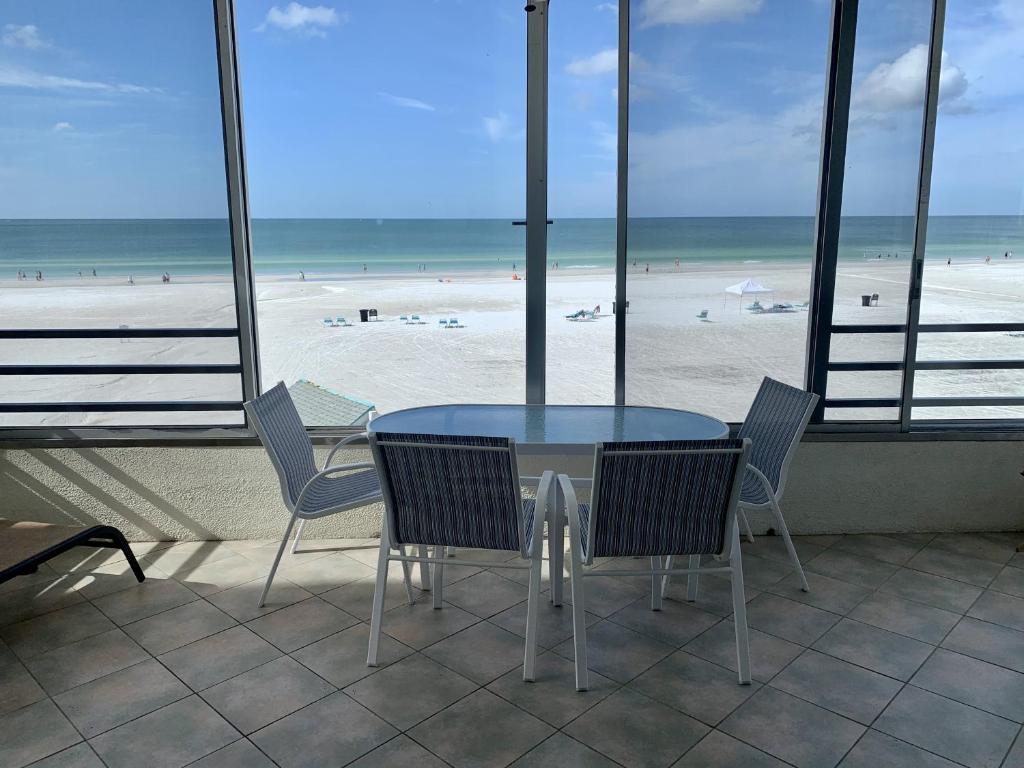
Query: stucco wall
[{"x": 232, "y": 493}]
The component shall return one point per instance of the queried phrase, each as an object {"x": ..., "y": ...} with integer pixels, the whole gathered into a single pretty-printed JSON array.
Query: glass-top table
[{"x": 554, "y": 428}]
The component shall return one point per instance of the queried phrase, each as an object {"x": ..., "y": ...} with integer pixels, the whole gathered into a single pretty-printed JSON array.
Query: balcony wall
[{"x": 232, "y": 493}]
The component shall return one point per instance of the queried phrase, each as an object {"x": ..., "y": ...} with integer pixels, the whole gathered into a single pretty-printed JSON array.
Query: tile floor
[{"x": 908, "y": 651}]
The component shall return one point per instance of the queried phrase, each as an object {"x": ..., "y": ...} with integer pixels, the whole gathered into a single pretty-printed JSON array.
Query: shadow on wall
[{"x": 81, "y": 487}]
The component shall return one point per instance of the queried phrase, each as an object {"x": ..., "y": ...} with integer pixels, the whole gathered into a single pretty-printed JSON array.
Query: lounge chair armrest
[
  {"x": 342, "y": 443},
  {"x": 572, "y": 510}
]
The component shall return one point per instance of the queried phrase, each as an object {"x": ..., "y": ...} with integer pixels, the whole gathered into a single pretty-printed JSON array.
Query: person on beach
[
  {"x": 94, "y": 273},
  {"x": 988, "y": 259},
  {"x": 364, "y": 267},
  {"x": 677, "y": 263},
  {"x": 647, "y": 269},
  {"x": 131, "y": 279},
  {"x": 949, "y": 262},
  {"x": 302, "y": 275}
]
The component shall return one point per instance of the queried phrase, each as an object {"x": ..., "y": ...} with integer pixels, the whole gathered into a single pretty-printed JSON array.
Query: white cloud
[
  {"x": 899, "y": 85},
  {"x": 654, "y": 12},
  {"x": 22, "y": 36},
  {"x": 62, "y": 126},
  {"x": 308, "y": 20},
  {"x": 600, "y": 63},
  {"x": 16, "y": 77},
  {"x": 499, "y": 128},
  {"x": 611, "y": 7},
  {"x": 405, "y": 101}
]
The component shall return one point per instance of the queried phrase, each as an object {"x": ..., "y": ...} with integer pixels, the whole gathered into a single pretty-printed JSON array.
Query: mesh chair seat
[{"x": 330, "y": 493}]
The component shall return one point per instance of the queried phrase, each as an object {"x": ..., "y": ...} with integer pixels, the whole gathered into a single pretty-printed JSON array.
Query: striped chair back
[
  {"x": 775, "y": 424},
  {"x": 455, "y": 491},
  {"x": 282, "y": 433},
  {"x": 675, "y": 497}
]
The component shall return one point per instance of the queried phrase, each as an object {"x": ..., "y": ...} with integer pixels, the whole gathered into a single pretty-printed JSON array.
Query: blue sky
[{"x": 417, "y": 108}]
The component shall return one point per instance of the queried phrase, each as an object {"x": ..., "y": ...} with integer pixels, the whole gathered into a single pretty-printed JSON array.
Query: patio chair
[
  {"x": 24, "y": 546},
  {"x": 308, "y": 494},
  {"x": 703, "y": 315},
  {"x": 775, "y": 423},
  {"x": 461, "y": 492},
  {"x": 659, "y": 500}
]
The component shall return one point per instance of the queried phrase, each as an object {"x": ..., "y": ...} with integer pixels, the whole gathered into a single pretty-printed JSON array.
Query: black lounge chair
[{"x": 24, "y": 546}]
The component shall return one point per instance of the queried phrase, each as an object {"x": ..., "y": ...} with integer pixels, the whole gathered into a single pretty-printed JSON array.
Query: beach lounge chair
[
  {"x": 403, "y": 318},
  {"x": 457, "y": 491},
  {"x": 328, "y": 322},
  {"x": 576, "y": 315},
  {"x": 308, "y": 494},
  {"x": 415, "y": 320},
  {"x": 703, "y": 315},
  {"x": 659, "y": 500},
  {"x": 454, "y": 323},
  {"x": 343, "y": 323},
  {"x": 443, "y": 323},
  {"x": 24, "y": 546}
]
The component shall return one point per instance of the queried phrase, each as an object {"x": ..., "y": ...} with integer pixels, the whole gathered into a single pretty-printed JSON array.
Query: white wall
[{"x": 232, "y": 493}]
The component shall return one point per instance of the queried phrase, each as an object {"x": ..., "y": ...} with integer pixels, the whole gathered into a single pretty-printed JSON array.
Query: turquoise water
[{"x": 60, "y": 248}]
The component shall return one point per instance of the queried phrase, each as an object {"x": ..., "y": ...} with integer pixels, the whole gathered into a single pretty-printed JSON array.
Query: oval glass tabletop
[{"x": 554, "y": 425}]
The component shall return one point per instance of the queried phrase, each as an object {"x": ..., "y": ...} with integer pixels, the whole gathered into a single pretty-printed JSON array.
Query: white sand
[{"x": 673, "y": 358}]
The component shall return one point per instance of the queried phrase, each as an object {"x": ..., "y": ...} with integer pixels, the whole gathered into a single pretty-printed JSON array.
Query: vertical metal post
[
  {"x": 622, "y": 205},
  {"x": 838, "y": 87},
  {"x": 238, "y": 201},
  {"x": 924, "y": 189},
  {"x": 536, "y": 197}
]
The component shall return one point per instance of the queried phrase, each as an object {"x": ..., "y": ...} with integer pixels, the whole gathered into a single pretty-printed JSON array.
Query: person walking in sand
[
  {"x": 949, "y": 262},
  {"x": 647, "y": 269},
  {"x": 131, "y": 279},
  {"x": 302, "y": 275}
]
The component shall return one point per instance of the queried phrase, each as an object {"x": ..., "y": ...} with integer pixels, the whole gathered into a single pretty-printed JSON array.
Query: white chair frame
[
  {"x": 731, "y": 559},
  {"x": 438, "y": 557},
  {"x": 296, "y": 509}
]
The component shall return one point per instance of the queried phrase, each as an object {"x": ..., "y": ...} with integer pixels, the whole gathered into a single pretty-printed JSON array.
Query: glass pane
[
  {"x": 582, "y": 119},
  {"x": 386, "y": 150},
  {"x": 876, "y": 238},
  {"x": 113, "y": 204},
  {"x": 725, "y": 125},
  {"x": 973, "y": 271}
]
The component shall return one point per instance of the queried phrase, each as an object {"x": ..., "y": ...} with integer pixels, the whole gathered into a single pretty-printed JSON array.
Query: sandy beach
[{"x": 673, "y": 357}]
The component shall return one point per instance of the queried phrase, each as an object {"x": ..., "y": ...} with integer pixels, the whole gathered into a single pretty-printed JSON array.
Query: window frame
[{"x": 837, "y": 98}]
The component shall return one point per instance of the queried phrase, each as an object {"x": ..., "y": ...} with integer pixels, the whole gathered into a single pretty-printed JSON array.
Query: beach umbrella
[{"x": 748, "y": 286}]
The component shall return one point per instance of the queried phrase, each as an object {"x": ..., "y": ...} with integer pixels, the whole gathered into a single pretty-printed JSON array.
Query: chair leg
[
  {"x": 277, "y": 561},
  {"x": 407, "y": 578},
  {"x": 530, "y": 660},
  {"x": 379, "y": 591},
  {"x": 739, "y": 609},
  {"x": 438, "y": 586},
  {"x": 693, "y": 579},
  {"x": 579, "y": 617},
  {"x": 424, "y": 571},
  {"x": 746, "y": 524},
  {"x": 122, "y": 543},
  {"x": 789, "y": 545},
  {"x": 666, "y": 577},
  {"x": 298, "y": 535},
  {"x": 656, "y": 588}
]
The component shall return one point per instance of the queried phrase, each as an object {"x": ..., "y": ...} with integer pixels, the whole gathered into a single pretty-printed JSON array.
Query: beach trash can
[
  {"x": 865, "y": 301},
  {"x": 373, "y": 314},
  {"x": 364, "y": 315}
]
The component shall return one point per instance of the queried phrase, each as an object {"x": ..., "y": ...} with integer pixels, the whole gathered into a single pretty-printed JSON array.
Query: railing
[
  {"x": 926, "y": 365},
  {"x": 120, "y": 369}
]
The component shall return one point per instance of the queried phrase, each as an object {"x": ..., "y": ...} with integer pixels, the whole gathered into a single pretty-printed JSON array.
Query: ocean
[{"x": 145, "y": 247}]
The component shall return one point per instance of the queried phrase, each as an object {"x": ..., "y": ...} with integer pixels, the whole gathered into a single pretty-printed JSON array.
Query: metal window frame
[
  {"x": 244, "y": 295},
  {"x": 820, "y": 328}
]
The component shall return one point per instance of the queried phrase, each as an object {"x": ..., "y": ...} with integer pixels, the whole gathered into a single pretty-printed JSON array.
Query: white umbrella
[{"x": 748, "y": 286}]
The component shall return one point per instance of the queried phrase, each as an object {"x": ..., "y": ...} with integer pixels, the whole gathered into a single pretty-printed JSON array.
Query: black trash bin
[
  {"x": 364, "y": 315},
  {"x": 865, "y": 301}
]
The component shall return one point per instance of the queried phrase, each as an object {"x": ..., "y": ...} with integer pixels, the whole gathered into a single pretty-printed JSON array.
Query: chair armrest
[
  {"x": 342, "y": 444},
  {"x": 572, "y": 510},
  {"x": 540, "y": 514},
  {"x": 328, "y": 472},
  {"x": 764, "y": 480}
]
